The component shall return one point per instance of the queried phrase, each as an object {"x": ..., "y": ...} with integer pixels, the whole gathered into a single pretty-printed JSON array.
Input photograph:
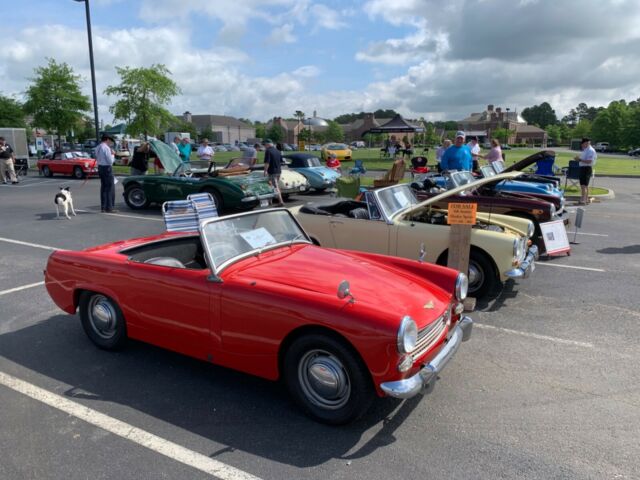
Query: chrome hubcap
[
  {"x": 324, "y": 380},
  {"x": 137, "y": 197},
  {"x": 476, "y": 277},
  {"x": 102, "y": 316}
]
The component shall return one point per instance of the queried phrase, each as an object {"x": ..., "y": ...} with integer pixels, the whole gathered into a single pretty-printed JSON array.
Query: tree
[
  {"x": 54, "y": 98},
  {"x": 275, "y": 133},
  {"x": 11, "y": 113},
  {"x": 334, "y": 132},
  {"x": 541, "y": 115},
  {"x": 261, "y": 131},
  {"x": 179, "y": 125},
  {"x": 503, "y": 134},
  {"x": 143, "y": 93},
  {"x": 582, "y": 129}
]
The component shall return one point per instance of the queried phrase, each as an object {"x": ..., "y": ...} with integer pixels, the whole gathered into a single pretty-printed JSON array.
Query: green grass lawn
[{"x": 607, "y": 164}]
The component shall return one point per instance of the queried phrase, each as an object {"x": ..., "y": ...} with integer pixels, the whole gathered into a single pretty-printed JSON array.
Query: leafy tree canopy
[
  {"x": 541, "y": 115},
  {"x": 143, "y": 94},
  {"x": 54, "y": 98},
  {"x": 334, "y": 132},
  {"x": 11, "y": 113}
]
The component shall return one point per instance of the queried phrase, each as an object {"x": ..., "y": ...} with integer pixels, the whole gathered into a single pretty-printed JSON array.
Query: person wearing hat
[
  {"x": 457, "y": 156},
  {"x": 587, "y": 159},
  {"x": 273, "y": 167},
  {"x": 105, "y": 159}
]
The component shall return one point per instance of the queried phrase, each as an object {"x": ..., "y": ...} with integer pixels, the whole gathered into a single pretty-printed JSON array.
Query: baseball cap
[{"x": 460, "y": 133}]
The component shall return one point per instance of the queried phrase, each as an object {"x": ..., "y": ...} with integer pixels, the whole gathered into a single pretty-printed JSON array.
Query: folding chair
[
  {"x": 545, "y": 166},
  {"x": 393, "y": 175},
  {"x": 204, "y": 204},
  {"x": 358, "y": 168},
  {"x": 572, "y": 174},
  {"x": 180, "y": 216}
]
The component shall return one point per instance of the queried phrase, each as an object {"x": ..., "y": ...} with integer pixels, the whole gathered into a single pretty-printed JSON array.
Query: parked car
[
  {"x": 391, "y": 221},
  {"x": 320, "y": 177},
  {"x": 482, "y": 193},
  {"x": 76, "y": 164},
  {"x": 340, "y": 150},
  {"x": 634, "y": 152},
  {"x": 230, "y": 192},
  {"x": 251, "y": 292},
  {"x": 357, "y": 144},
  {"x": 602, "y": 147}
]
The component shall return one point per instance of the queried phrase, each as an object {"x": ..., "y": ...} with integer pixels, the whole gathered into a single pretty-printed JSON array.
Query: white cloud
[
  {"x": 282, "y": 35},
  {"x": 307, "y": 71}
]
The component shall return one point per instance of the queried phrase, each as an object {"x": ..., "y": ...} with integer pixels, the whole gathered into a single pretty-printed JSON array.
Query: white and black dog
[{"x": 63, "y": 199}]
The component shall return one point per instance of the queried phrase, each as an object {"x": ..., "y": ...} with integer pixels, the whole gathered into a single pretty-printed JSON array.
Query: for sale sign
[{"x": 462, "y": 213}]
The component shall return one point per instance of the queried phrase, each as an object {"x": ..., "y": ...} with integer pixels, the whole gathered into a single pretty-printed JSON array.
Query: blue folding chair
[
  {"x": 545, "y": 166},
  {"x": 204, "y": 205},
  {"x": 358, "y": 168},
  {"x": 180, "y": 216}
]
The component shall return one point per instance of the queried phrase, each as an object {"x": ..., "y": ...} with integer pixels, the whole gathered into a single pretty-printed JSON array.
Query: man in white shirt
[
  {"x": 587, "y": 159},
  {"x": 440, "y": 151},
  {"x": 475, "y": 153},
  {"x": 174, "y": 145},
  {"x": 104, "y": 159},
  {"x": 205, "y": 152}
]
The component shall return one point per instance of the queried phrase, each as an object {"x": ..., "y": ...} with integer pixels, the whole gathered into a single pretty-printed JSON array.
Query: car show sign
[
  {"x": 462, "y": 213},
  {"x": 555, "y": 238}
]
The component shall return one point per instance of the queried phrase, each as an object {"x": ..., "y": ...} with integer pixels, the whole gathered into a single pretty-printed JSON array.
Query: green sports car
[{"x": 234, "y": 192}]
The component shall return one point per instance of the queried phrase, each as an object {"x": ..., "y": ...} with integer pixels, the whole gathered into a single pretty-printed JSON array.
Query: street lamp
[
  {"x": 93, "y": 70},
  {"x": 507, "y": 109}
]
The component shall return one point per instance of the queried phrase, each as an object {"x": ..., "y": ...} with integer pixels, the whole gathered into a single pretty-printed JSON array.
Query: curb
[{"x": 610, "y": 195}]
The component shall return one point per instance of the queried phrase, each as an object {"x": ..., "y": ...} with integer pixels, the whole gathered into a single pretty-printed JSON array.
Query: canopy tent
[{"x": 396, "y": 125}]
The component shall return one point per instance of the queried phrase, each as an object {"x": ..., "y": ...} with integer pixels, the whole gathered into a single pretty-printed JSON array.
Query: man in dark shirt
[
  {"x": 273, "y": 167},
  {"x": 6, "y": 162}
]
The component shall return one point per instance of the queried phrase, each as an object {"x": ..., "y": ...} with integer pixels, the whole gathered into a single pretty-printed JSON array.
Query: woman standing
[
  {"x": 140, "y": 161},
  {"x": 495, "y": 153}
]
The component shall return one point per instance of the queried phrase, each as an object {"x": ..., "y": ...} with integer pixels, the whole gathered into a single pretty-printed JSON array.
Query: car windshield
[
  {"x": 337, "y": 146},
  {"x": 397, "y": 198},
  {"x": 313, "y": 162},
  {"x": 461, "y": 178},
  {"x": 238, "y": 236},
  {"x": 487, "y": 171},
  {"x": 498, "y": 166}
]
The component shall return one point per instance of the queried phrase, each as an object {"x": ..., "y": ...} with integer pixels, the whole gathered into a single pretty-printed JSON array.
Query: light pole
[
  {"x": 93, "y": 70},
  {"x": 507, "y": 109}
]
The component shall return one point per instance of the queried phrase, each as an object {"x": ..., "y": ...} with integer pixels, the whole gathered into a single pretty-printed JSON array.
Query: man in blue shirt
[
  {"x": 457, "y": 156},
  {"x": 185, "y": 151}
]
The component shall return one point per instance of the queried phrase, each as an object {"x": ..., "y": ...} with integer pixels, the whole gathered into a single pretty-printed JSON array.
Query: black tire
[
  {"x": 483, "y": 278},
  {"x": 135, "y": 197},
  {"x": 351, "y": 396},
  {"x": 46, "y": 171},
  {"x": 216, "y": 198},
  {"x": 320, "y": 190},
  {"x": 78, "y": 173},
  {"x": 102, "y": 321}
]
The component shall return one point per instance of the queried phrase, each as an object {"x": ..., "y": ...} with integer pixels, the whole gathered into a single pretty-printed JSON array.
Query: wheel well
[
  {"x": 442, "y": 259},
  {"x": 132, "y": 184},
  {"x": 312, "y": 330}
]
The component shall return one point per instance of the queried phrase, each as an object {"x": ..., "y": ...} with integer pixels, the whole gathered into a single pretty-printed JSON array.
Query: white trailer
[
  {"x": 169, "y": 136},
  {"x": 17, "y": 138}
]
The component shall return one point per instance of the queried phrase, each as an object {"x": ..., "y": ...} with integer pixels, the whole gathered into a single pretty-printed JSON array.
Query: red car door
[{"x": 174, "y": 308}]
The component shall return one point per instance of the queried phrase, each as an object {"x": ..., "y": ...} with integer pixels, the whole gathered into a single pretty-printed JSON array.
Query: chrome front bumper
[
  {"x": 253, "y": 198},
  {"x": 426, "y": 378},
  {"x": 527, "y": 266}
]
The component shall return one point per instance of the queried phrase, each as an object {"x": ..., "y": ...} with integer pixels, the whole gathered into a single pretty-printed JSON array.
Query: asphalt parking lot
[{"x": 547, "y": 387}]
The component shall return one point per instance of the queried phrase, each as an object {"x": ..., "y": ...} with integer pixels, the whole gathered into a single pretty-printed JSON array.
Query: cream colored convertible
[{"x": 391, "y": 221}]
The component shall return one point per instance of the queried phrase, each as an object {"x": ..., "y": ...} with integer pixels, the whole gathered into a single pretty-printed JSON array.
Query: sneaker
[{"x": 14, "y": 183}]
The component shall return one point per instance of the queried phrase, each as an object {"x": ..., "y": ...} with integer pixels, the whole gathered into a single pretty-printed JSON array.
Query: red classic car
[
  {"x": 77, "y": 164},
  {"x": 253, "y": 293}
]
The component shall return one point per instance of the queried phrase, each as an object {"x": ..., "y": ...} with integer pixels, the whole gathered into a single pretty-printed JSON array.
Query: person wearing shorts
[{"x": 587, "y": 159}]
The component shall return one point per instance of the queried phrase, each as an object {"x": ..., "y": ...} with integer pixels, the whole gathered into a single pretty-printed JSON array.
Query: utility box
[{"x": 17, "y": 138}]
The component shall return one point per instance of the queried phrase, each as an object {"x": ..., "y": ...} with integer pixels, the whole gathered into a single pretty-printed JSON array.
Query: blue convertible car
[{"x": 319, "y": 176}]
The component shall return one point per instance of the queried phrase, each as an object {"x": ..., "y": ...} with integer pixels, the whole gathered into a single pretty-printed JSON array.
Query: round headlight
[
  {"x": 407, "y": 335},
  {"x": 462, "y": 286},
  {"x": 552, "y": 210},
  {"x": 530, "y": 230}
]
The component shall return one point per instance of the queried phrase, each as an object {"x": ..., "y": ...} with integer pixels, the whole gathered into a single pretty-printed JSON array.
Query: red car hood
[{"x": 385, "y": 288}]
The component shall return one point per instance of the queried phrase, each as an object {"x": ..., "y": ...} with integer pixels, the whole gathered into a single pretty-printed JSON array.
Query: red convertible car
[
  {"x": 77, "y": 164},
  {"x": 251, "y": 292}
]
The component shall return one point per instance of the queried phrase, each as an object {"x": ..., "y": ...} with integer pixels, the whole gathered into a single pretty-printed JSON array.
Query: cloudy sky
[{"x": 260, "y": 58}]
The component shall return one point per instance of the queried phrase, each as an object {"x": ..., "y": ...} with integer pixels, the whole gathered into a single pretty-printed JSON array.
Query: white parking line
[
  {"x": 141, "y": 437},
  {"x": 534, "y": 335},
  {"x": 24, "y": 287},
  {"x": 592, "y": 234},
  {"x": 27, "y": 244},
  {"x": 26, "y": 184},
  {"x": 137, "y": 217},
  {"x": 569, "y": 266}
]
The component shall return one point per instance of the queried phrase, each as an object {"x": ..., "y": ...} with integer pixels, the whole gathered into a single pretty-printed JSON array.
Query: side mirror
[{"x": 344, "y": 291}]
